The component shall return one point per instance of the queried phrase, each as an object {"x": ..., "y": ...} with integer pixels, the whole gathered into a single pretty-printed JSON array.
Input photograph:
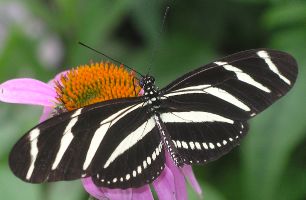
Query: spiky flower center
[{"x": 89, "y": 84}]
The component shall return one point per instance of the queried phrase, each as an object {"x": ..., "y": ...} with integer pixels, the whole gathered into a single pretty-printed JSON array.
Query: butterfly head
[{"x": 146, "y": 81}]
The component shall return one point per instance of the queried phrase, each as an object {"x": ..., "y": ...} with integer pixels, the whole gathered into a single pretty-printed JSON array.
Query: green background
[{"x": 38, "y": 39}]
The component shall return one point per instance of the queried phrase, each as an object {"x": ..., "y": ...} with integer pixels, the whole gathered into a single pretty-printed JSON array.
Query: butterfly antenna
[
  {"x": 103, "y": 54},
  {"x": 159, "y": 37}
]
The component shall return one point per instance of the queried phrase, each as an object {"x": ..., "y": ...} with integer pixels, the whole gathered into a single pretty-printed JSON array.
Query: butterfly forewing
[
  {"x": 79, "y": 144},
  {"x": 250, "y": 80}
]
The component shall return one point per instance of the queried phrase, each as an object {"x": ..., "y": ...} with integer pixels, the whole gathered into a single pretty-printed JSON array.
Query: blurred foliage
[{"x": 38, "y": 39}]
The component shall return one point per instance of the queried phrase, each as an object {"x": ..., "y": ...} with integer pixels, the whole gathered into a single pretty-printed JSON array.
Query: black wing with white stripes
[
  {"x": 250, "y": 80},
  {"x": 111, "y": 141},
  {"x": 205, "y": 111}
]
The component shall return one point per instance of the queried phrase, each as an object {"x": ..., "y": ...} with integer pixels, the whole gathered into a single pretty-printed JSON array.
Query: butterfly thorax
[
  {"x": 152, "y": 95},
  {"x": 151, "y": 92}
]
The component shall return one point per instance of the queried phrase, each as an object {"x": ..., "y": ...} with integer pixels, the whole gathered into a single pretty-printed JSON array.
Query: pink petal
[
  {"x": 179, "y": 179},
  {"x": 57, "y": 78},
  {"x": 187, "y": 170},
  {"x": 164, "y": 185},
  {"x": 141, "y": 92},
  {"x": 27, "y": 91},
  {"x": 105, "y": 193},
  {"x": 143, "y": 193},
  {"x": 118, "y": 194},
  {"x": 92, "y": 189},
  {"x": 47, "y": 110}
]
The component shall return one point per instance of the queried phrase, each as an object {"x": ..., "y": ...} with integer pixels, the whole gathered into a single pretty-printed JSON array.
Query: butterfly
[{"x": 121, "y": 143}]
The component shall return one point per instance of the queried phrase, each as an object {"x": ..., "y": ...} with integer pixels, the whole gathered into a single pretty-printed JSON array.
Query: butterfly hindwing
[
  {"x": 136, "y": 161},
  {"x": 201, "y": 137},
  {"x": 202, "y": 133}
]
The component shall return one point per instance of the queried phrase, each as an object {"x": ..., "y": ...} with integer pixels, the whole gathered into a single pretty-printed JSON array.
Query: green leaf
[
  {"x": 285, "y": 14},
  {"x": 13, "y": 188},
  {"x": 209, "y": 192},
  {"x": 68, "y": 190}
]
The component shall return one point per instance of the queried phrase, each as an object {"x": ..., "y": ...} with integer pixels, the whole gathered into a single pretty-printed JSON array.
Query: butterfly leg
[{"x": 167, "y": 141}]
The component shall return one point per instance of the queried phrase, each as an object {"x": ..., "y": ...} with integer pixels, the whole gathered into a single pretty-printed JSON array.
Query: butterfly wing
[
  {"x": 138, "y": 159},
  {"x": 201, "y": 135},
  {"x": 205, "y": 111},
  {"x": 102, "y": 140},
  {"x": 250, "y": 80}
]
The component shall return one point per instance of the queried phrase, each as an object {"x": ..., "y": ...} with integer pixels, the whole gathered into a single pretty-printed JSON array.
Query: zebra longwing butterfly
[{"x": 121, "y": 143}]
